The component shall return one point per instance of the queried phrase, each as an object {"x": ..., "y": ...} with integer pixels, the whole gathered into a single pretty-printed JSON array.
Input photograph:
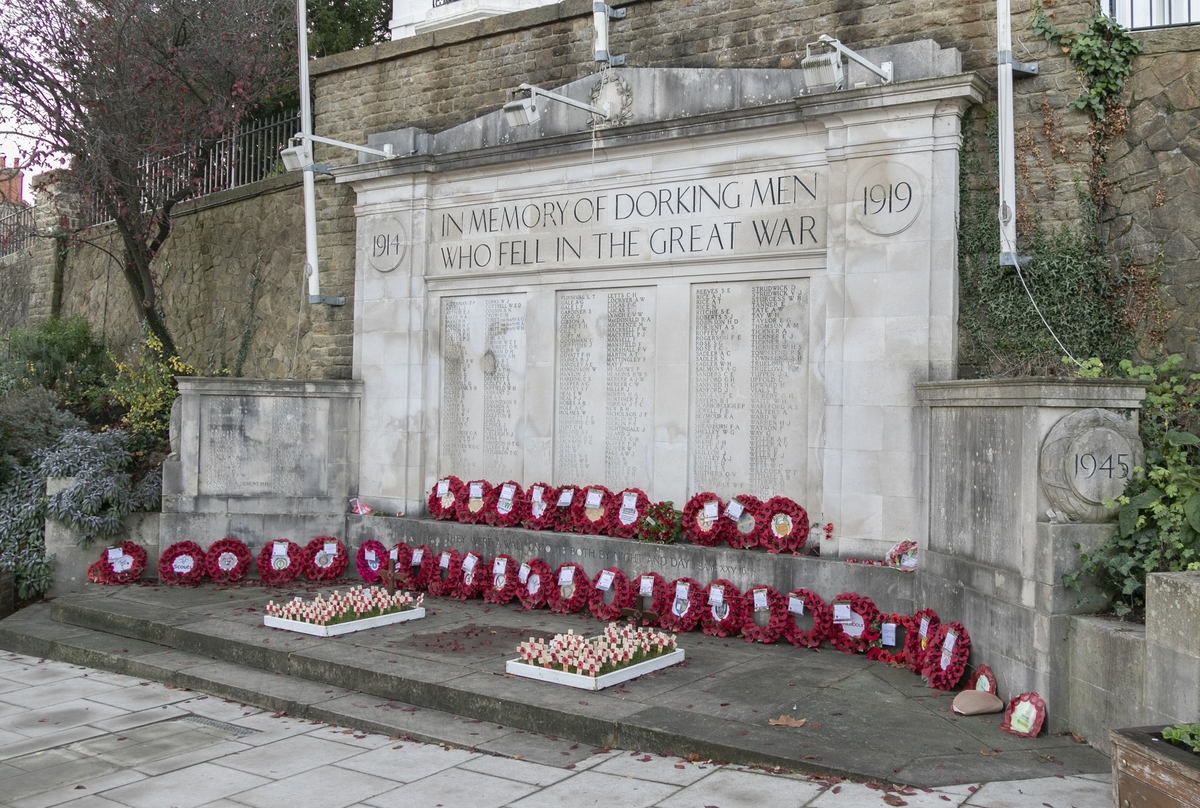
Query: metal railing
[
  {"x": 1152, "y": 13},
  {"x": 16, "y": 229},
  {"x": 249, "y": 154}
]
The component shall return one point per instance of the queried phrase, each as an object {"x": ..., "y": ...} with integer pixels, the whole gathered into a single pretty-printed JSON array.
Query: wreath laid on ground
[
  {"x": 471, "y": 500},
  {"x": 325, "y": 558},
  {"x": 702, "y": 520},
  {"x": 539, "y": 507},
  {"x": 601, "y": 604},
  {"x": 534, "y": 579},
  {"x": 801, "y": 602},
  {"x": 279, "y": 562},
  {"x": 502, "y": 505},
  {"x": 419, "y": 568},
  {"x": 783, "y": 527},
  {"x": 118, "y": 565},
  {"x": 1024, "y": 715},
  {"x": 631, "y": 505},
  {"x": 946, "y": 656},
  {"x": 570, "y": 590},
  {"x": 659, "y": 525},
  {"x": 447, "y": 574},
  {"x": 564, "y": 507},
  {"x": 895, "y": 653},
  {"x": 593, "y": 511},
  {"x": 655, "y": 587},
  {"x": 369, "y": 559},
  {"x": 744, "y": 519},
  {"x": 227, "y": 560},
  {"x": 762, "y": 600},
  {"x": 686, "y": 604},
  {"x": 853, "y": 616},
  {"x": 926, "y": 622},
  {"x": 501, "y": 586},
  {"x": 474, "y": 576},
  {"x": 182, "y": 563},
  {"x": 725, "y": 611},
  {"x": 982, "y": 679},
  {"x": 443, "y": 496}
]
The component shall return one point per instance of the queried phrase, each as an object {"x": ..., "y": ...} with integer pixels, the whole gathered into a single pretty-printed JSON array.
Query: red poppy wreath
[
  {"x": 982, "y": 679},
  {"x": 227, "y": 560},
  {"x": 853, "y": 616},
  {"x": 539, "y": 507},
  {"x": 564, "y": 507},
  {"x": 631, "y": 505},
  {"x": 502, "y": 506},
  {"x": 685, "y": 607},
  {"x": 118, "y": 565},
  {"x": 369, "y": 559},
  {"x": 892, "y": 645},
  {"x": 702, "y": 522},
  {"x": 182, "y": 563},
  {"x": 325, "y": 558},
  {"x": 570, "y": 589},
  {"x": 534, "y": 580},
  {"x": 501, "y": 585},
  {"x": 926, "y": 621},
  {"x": 611, "y": 592},
  {"x": 653, "y": 595},
  {"x": 808, "y": 607},
  {"x": 946, "y": 656},
  {"x": 471, "y": 501},
  {"x": 725, "y": 610},
  {"x": 443, "y": 496},
  {"x": 659, "y": 525},
  {"x": 1024, "y": 715},
  {"x": 447, "y": 574},
  {"x": 743, "y": 516},
  {"x": 279, "y": 562},
  {"x": 593, "y": 511},
  {"x": 420, "y": 566},
  {"x": 784, "y": 526},
  {"x": 766, "y": 615},
  {"x": 474, "y": 576}
]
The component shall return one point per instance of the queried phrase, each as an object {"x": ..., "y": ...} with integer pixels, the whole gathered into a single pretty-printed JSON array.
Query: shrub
[
  {"x": 60, "y": 355},
  {"x": 146, "y": 389}
]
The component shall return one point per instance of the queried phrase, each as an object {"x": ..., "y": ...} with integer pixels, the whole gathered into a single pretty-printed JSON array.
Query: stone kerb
[{"x": 994, "y": 555}]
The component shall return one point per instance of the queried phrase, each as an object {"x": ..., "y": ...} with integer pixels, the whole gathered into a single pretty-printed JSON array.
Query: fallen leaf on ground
[
  {"x": 786, "y": 721},
  {"x": 1077, "y": 738},
  {"x": 892, "y": 799},
  {"x": 989, "y": 752}
]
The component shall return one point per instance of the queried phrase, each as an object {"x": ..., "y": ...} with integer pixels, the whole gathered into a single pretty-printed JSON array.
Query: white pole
[
  {"x": 1004, "y": 99},
  {"x": 310, "y": 183}
]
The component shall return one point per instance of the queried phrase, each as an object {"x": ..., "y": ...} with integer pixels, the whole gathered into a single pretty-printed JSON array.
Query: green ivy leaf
[{"x": 1178, "y": 438}]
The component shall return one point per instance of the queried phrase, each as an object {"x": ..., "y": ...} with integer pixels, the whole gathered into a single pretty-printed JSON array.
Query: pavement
[{"x": 423, "y": 712}]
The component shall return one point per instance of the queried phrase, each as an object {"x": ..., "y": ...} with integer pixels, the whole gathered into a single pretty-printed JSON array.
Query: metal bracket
[
  {"x": 613, "y": 13},
  {"x": 326, "y": 300},
  {"x": 1020, "y": 69},
  {"x": 1011, "y": 259}
]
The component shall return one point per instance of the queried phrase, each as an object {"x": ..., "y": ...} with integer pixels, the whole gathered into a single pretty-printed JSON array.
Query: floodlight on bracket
[
  {"x": 601, "y": 14},
  {"x": 522, "y": 110},
  {"x": 298, "y": 156},
  {"x": 823, "y": 71}
]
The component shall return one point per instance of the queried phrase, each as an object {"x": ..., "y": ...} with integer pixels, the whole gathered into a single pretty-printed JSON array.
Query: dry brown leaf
[
  {"x": 989, "y": 752},
  {"x": 786, "y": 721}
]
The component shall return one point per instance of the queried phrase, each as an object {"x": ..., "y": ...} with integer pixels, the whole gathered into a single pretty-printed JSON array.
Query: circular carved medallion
[
  {"x": 1089, "y": 457},
  {"x": 887, "y": 198}
]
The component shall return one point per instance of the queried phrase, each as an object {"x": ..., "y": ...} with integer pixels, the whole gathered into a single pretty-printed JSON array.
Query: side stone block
[
  {"x": 1172, "y": 647},
  {"x": 1107, "y": 677}
]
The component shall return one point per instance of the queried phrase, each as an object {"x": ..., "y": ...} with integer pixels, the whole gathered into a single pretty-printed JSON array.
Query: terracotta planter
[{"x": 1150, "y": 772}]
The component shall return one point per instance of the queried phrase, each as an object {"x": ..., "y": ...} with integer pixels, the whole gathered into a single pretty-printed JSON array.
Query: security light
[
  {"x": 297, "y": 156},
  {"x": 823, "y": 71},
  {"x": 523, "y": 110}
]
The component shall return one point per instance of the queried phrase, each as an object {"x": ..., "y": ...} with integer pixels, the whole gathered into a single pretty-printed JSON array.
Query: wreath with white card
[
  {"x": 443, "y": 496},
  {"x": 743, "y": 519},
  {"x": 702, "y": 522},
  {"x": 592, "y": 510},
  {"x": 687, "y": 602},
  {"x": 447, "y": 574},
  {"x": 569, "y": 590},
  {"x": 806, "y": 606},
  {"x": 631, "y": 505},
  {"x": 279, "y": 562},
  {"x": 227, "y": 560},
  {"x": 501, "y": 585},
  {"x": 533, "y": 580},
  {"x": 475, "y": 576},
  {"x": 123, "y": 564},
  {"x": 653, "y": 594},
  {"x": 370, "y": 558},
  {"x": 892, "y": 645},
  {"x": 926, "y": 622},
  {"x": 611, "y": 592},
  {"x": 471, "y": 500},
  {"x": 853, "y": 616},
  {"x": 946, "y": 656},
  {"x": 539, "y": 509},
  {"x": 502, "y": 506},
  {"x": 766, "y": 615},
  {"x": 724, "y": 612},
  {"x": 325, "y": 558},
  {"x": 182, "y": 563},
  {"x": 784, "y": 526}
]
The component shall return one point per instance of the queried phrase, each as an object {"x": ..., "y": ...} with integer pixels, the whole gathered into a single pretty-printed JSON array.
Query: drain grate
[{"x": 212, "y": 723}]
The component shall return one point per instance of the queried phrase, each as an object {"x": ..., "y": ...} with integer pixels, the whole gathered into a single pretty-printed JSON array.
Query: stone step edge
[{"x": 443, "y": 698}]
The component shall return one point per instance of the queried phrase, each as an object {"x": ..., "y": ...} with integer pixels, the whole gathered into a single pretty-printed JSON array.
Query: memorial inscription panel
[
  {"x": 749, "y": 419},
  {"x": 259, "y": 446},
  {"x": 604, "y": 389},
  {"x": 483, "y": 387}
]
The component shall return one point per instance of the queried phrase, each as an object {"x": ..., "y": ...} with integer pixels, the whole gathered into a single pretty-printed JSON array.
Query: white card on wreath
[
  {"x": 566, "y": 497},
  {"x": 594, "y": 498},
  {"x": 681, "y": 591},
  {"x": 330, "y": 548},
  {"x": 716, "y": 595},
  {"x": 712, "y": 509},
  {"x": 499, "y": 565},
  {"x": 476, "y": 490},
  {"x": 566, "y": 576},
  {"x": 470, "y": 561},
  {"x": 842, "y": 613},
  {"x": 417, "y": 555},
  {"x": 523, "y": 573},
  {"x": 444, "y": 561},
  {"x": 887, "y": 634},
  {"x": 114, "y": 553},
  {"x": 646, "y": 587},
  {"x": 795, "y": 604},
  {"x": 734, "y": 510},
  {"x": 605, "y": 581},
  {"x": 760, "y": 600},
  {"x": 370, "y": 556},
  {"x": 443, "y": 488},
  {"x": 279, "y": 548}
]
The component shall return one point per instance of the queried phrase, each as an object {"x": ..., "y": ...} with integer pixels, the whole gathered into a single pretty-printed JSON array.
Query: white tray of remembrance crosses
[
  {"x": 623, "y": 644},
  {"x": 312, "y": 617}
]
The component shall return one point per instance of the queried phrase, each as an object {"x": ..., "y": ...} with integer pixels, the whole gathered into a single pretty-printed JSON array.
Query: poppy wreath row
[
  {"x": 123, "y": 567},
  {"x": 279, "y": 566},
  {"x": 447, "y": 574},
  {"x": 606, "y": 607},
  {"x": 183, "y": 563},
  {"x": 502, "y": 586},
  {"x": 442, "y": 497},
  {"x": 227, "y": 560},
  {"x": 854, "y": 636},
  {"x": 768, "y": 601},
  {"x": 325, "y": 558},
  {"x": 534, "y": 578},
  {"x": 779, "y": 524},
  {"x": 474, "y": 576},
  {"x": 897, "y": 652},
  {"x": 370, "y": 559},
  {"x": 946, "y": 655}
]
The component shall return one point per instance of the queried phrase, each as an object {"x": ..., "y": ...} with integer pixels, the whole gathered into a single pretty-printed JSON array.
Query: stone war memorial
[{"x": 682, "y": 280}]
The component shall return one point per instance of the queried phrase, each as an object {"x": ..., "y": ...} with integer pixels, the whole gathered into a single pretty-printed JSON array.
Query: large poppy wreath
[
  {"x": 539, "y": 509},
  {"x": 892, "y": 645},
  {"x": 611, "y": 592},
  {"x": 653, "y": 593},
  {"x": 631, "y": 505},
  {"x": 784, "y": 526},
  {"x": 227, "y": 560},
  {"x": 503, "y": 505},
  {"x": 325, "y": 558},
  {"x": 182, "y": 563},
  {"x": 533, "y": 581},
  {"x": 419, "y": 566},
  {"x": 471, "y": 500},
  {"x": 744, "y": 518},
  {"x": 853, "y": 616},
  {"x": 724, "y": 610},
  {"x": 926, "y": 622},
  {"x": 766, "y": 615},
  {"x": 501, "y": 586},
  {"x": 474, "y": 576},
  {"x": 687, "y": 602},
  {"x": 369, "y": 559},
  {"x": 946, "y": 656},
  {"x": 279, "y": 562},
  {"x": 443, "y": 496},
  {"x": 447, "y": 574},
  {"x": 123, "y": 564},
  {"x": 569, "y": 590},
  {"x": 593, "y": 510},
  {"x": 807, "y": 606},
  {"x": 702, "y": 522}
]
